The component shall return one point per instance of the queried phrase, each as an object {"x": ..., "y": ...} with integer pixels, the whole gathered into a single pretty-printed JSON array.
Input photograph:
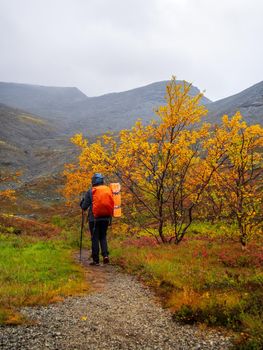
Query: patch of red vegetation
[
  {"x": 18, "y": 225},
  {"x": 251, "y": 257},
  {"x": 200, "y": 253}
]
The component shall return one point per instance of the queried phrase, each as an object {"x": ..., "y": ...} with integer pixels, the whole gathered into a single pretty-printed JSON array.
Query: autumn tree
[
  {"x": 161, "y": 166},
  {"x": 237, "y": 185}
]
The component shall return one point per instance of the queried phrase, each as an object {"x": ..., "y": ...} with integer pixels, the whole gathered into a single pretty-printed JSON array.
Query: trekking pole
[{"x": 81, "y": 232}]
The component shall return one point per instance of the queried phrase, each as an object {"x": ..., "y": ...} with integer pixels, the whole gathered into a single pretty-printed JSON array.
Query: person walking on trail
[{"x": 99, "y": 201}]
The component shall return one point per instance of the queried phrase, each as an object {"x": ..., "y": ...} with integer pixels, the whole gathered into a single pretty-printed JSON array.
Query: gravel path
[{"x": 120, "y": 313}]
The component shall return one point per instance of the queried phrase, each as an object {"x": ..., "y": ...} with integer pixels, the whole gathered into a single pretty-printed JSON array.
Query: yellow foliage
[
  {"x": 5, "y": 179},
  {"x": 239, "y": 181},
  {"x": 10, "y": 194}
]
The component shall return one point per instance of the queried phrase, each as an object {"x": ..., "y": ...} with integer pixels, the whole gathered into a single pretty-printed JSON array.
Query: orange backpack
[{"x": 102, "y": 201}]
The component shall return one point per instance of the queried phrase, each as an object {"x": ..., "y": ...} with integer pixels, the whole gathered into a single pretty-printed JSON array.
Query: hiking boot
[
  {"x": 106, "y": 260},
  {"x": 94, "y": 263}
]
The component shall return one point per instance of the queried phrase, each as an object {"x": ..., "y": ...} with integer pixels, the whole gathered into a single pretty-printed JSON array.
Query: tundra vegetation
[{"x": 7, "y": 178}]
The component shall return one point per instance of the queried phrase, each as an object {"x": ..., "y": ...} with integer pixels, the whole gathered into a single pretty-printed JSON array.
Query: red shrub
[{"x": 232, "y": 258}]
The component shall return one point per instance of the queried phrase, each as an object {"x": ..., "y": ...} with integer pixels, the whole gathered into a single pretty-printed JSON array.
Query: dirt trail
[{"x": 119, "y": 313}]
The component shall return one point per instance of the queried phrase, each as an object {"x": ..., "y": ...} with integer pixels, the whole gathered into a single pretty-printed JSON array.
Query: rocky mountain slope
[
  {"x": 72, "y": 111},
  {"x": 249, "y": 102},
  {"x": 30, "y": 144},
  {"x": 118, "y": 111},
  {"x": 20, "y": 127},
  {"x": 45, "y": 101}
]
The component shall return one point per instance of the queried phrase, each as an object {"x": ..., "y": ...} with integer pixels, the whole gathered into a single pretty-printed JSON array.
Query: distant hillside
[
  {"x": 249, "y": 102},
  {"x": 72, "y": 111},
  {"x": 47, "y": 102},
  {"x": 20, "y": 127},
  {"x": 30, "y": 144},
  {"x": 118, "y": 111}
]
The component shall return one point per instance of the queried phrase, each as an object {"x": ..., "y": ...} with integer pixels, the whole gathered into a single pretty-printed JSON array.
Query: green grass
[
  {"x": 35, "y": 271},
  {"x": 207, "y": 278}
]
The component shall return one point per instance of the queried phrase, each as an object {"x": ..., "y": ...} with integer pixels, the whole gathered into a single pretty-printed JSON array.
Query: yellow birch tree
[{"x": 239, "y": 181}]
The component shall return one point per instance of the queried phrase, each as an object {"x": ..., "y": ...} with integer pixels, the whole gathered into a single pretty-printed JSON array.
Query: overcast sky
[{"x": 103, "y": 46}]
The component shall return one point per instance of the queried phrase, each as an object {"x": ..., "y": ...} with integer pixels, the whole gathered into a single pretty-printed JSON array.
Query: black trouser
[{"x": 98, "y": 232}]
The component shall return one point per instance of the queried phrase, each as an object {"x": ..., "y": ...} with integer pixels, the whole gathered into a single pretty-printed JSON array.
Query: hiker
[{"x": 99, "y": 201}]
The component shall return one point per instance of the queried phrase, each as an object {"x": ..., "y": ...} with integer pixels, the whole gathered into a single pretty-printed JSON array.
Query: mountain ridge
[
  {"x": 248, "y": 102},
  {"x": 90, "y": 115},
  {"x": 71, "y": 111}
]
